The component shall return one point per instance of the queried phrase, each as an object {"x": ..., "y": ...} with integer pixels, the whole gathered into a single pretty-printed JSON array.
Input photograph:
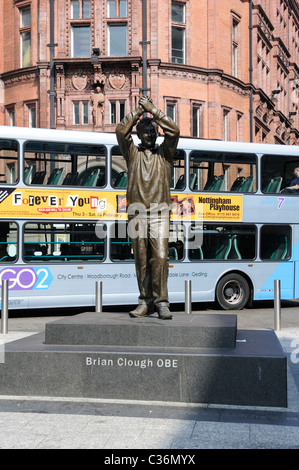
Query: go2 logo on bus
[{"x": 24, "y": 278}]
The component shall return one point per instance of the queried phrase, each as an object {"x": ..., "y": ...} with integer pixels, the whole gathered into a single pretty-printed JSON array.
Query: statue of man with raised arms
[{"x": 149, "y": 202}]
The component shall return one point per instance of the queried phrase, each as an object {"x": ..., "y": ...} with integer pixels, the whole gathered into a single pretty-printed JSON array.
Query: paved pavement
[{"x": 120, "y": 428}]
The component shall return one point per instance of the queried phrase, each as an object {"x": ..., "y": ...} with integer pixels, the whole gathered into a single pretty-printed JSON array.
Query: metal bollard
[
  {"x": 4, "y": 308},
  {"x": 277, "y": 306},
  {"x": 188, "y": 300},
  {"x": 99, "y": 295}
]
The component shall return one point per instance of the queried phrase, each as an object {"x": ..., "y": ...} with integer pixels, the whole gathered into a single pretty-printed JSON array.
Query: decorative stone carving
[
  {"x": 77, "y": 79},
  {"x": 98, "y": 101},
  {"x": 117, "y": 80},
  {"x": 79, "y": 82},
  {"x": 98, "y": 77}
]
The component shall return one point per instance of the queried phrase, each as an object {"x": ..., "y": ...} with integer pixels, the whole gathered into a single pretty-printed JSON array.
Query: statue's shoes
[
  {"x": 163, "y": 311},
  {"x": 142, "y": 310}
]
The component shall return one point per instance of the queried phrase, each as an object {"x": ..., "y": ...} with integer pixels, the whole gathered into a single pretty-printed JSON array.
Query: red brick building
[{"x": 224, "y": 70}]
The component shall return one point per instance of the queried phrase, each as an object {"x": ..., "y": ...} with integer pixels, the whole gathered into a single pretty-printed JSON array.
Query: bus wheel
[{"x": 232, "y": 292}]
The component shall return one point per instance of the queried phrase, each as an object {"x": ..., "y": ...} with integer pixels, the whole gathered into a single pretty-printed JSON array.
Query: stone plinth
[{"x": 191, "y": 359}]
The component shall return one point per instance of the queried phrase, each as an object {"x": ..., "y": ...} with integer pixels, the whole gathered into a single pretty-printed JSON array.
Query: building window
[
  {"x": 76, "y": 113},
  {"x": 80, "y": 28},
  {"x": 117, "y": 40},
  {"x": 235, "y": 45},
  {"x": 196, "y": 112},
  {"x": 239, "y": 130},
  {"x": 25, "y": 17},
  {"x": 112, "y": 113},
  {"x": 178, "y": 27},
  {"x": 10, "y": 116},
  {"x": 32, "y": 116},
  {"x": 117, "y": 8},
  {"x": 117, "y": 29},
  {"x": 235, "y": 60},
  {"x": 85, "y": 113},
  {"x": 171, "y": 111},
  {"x": 81, "y": 46},
  {"x": 25, "y": 36},
  {"x": 81, "y": 113},
  {"x": 80, "y": 9},
  {"x": 86, "y": 9},
  {"x": 225, "y": 124},
  {"x": 263, "y": 65},
  {"x": 122, "y": 110},
  {"x": 117, "y": 111},
  {"x": 75, "y": 9}
]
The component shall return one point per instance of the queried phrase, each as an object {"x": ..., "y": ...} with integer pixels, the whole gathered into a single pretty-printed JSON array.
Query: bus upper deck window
[
  {"x": 65, "y": 164},
  {"x": 119, "y": 171},
  {"x": 178, "y": 180},
  {"x": 278, "y": 173},
  {"x": 9, "y": 165},
  {"x": 222, "y": 172}
]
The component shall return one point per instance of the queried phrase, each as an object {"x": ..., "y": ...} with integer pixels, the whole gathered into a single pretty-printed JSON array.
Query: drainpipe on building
[{"x": 250, "y": 72}]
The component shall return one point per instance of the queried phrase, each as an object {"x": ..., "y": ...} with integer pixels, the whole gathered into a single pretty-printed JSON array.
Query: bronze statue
[{"x": 149, "y": 202}]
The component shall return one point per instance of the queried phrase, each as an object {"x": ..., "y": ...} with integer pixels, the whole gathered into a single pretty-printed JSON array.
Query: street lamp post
[
  {"x": 52, "y": 77},
  {"x": 144, "y": 43}
]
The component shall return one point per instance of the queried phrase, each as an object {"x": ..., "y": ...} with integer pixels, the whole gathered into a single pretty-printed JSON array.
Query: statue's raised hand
[{"x": 147, "y": 104}]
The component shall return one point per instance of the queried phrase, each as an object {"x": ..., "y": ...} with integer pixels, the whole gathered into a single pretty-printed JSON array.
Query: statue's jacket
[{"x": 149, "y": 170}]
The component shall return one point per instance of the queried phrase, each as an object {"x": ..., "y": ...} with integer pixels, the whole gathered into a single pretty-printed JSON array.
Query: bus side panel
[
  {"x": 16, "y": 301},
  {"x": 61, "y": 301},
  {"x": 81, "y": 300},
  {"x": 204, "y": 278},
  {"x": 296, "y": 294},
  {"x": 202, "y": 282},
  {"x": 67, "y": 286},
  {"x": 284, "y": 272}
]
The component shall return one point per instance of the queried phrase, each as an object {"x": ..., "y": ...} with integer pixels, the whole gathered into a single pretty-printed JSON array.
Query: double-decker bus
[{"x": 63, "y": 220}]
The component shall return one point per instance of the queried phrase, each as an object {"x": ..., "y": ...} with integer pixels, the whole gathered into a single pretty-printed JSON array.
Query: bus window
[
  {"x": 119, "y": 171},
  {"x": 222, "y": 172},
  {"x": 8, "y": 242},
  {"x": 278, "y": 172},
  {"x": 120, "y": 243},
  {"x": 275, "y": 242},
  {"x": 178, "y": 182},
  {"x": 9, "y": 168},
  {"x": 63, "y": 164},
  {"x": 222, "y": 242},
  {"x": 51, "y": 242},
  {"x": 176, "y": 243}
]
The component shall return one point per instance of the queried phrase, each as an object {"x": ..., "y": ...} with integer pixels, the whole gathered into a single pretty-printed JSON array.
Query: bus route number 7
[{"x": 280, "y": 202}]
